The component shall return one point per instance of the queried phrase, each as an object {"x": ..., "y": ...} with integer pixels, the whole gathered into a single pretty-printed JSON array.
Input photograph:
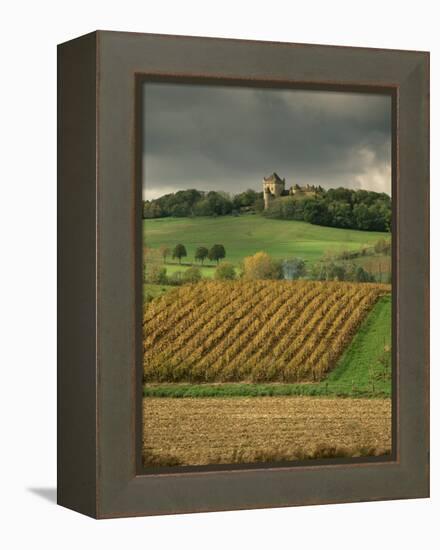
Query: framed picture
[{"x": 243, "y": 274}]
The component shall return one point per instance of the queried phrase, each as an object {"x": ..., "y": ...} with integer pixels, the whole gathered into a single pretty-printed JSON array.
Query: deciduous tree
[
  {"x": 201, "y": 254},
  {"x": 179, "y": 252},
  {"x": 165, "y": 252},
  {"x": 261, "y": 266},
  {"x": 217, "y": 252}
]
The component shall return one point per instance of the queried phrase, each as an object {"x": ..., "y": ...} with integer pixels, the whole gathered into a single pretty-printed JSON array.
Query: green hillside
[{"x": 247, "y": 234}]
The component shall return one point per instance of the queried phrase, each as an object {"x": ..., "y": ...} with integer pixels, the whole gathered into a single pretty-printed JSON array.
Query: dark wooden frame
[{"x": 99, "y": 399}]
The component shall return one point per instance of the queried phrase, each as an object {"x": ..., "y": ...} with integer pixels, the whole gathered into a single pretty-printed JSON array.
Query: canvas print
[{"x": 267, "y": 274}]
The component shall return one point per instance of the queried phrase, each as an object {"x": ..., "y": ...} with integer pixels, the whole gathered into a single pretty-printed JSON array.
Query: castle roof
[{"x": 275, "y": 178}]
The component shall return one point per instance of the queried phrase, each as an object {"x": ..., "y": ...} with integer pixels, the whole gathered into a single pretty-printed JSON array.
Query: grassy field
[
  {"x": 155, "y": 290},
  {"x": 224, "y": 431},
  {"x": 207, "y": 271},
  {"x": 247, "y": 234},
  {"x": 360, "y": 363},
  {"x": 358, "y": 373}
]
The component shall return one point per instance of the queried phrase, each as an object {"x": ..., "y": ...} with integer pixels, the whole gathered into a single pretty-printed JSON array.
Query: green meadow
[{"x": 247, "y": 234}]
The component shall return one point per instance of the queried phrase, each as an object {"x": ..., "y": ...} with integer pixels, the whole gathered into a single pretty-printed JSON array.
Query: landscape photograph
[{"x": 266, "y": 275}]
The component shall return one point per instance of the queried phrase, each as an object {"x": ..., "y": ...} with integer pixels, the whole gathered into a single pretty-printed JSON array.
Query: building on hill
[
  {"x": 307, "y": 190},
  {"x": 275, "y": 187}
]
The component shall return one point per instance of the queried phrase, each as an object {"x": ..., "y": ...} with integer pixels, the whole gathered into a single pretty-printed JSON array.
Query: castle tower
[{"x": 273, "y": 187}]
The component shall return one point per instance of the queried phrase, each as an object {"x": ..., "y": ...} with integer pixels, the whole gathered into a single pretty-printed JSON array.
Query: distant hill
[{"x": 341, "y": 207}]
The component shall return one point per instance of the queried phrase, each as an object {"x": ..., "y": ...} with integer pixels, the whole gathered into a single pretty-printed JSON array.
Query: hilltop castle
[{"x": 274, "y": 187}]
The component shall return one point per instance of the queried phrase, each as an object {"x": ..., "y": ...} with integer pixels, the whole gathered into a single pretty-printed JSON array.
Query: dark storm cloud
[{"x": 226, "y": 138}]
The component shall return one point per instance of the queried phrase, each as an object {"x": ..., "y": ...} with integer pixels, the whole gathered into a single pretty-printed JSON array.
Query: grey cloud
[{"x": 228, "y": 138}]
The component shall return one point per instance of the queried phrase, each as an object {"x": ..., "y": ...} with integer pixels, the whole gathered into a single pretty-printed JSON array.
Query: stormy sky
[{"x": 227, "y": 138}]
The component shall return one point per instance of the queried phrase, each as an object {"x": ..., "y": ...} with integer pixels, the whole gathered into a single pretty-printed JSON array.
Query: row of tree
[{"x": 216, "y": 253}]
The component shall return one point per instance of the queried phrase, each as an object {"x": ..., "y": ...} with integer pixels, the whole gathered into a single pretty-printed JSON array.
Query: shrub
[
  {"x": 362, "y": 276},
  {"x": 383, "y": 246},
  {"x": 176, "y": 278},
  {"x": 294, "y": 268},
  {"x": 261, "y": 266},
  {"x": 192, "y": 275},
  {"x": 155, "y": 274},
  {"x": 225, "y": 271},
  {"x": 333, "y": 271}
]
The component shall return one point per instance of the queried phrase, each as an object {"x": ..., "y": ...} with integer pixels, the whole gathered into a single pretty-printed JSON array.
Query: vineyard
[{"x": 258, "y": 331}]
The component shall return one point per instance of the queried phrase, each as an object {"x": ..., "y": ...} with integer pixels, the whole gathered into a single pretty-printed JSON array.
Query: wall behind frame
[{"x": 31, "y": 32}]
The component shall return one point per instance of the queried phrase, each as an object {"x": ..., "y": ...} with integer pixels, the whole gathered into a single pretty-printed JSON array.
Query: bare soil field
[{"x": 199, "y": 431}]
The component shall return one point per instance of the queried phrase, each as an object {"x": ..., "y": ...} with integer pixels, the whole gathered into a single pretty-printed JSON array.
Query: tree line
[
  {"x": 199, "y": 203},
  {"x": 341, "y": 207},
  {"x": 262, "y": 266},
  {"x": 216, "y": 253}
]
